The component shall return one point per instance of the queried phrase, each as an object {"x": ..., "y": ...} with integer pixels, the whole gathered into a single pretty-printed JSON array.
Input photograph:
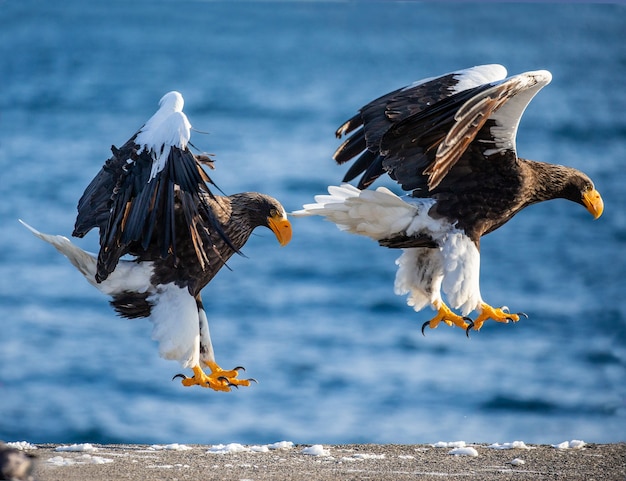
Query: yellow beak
[
  {"x": 281, "y": 228},
  {"x": 593, "y": 202}
]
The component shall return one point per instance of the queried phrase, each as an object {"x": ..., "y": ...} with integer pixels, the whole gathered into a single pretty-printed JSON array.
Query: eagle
[
  {"x": 450, "y": 143},
  {"x": 153, "y": 205}
]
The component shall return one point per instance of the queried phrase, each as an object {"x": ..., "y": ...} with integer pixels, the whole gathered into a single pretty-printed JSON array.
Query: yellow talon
[
  {"x": 446, "y": 315},
  {"x": 218, "y": 380},
  {"x": 497, "y": 314}
]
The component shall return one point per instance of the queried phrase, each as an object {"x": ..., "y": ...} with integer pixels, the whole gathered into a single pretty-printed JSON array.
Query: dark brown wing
[
  {"x": 426, "y": 101},
  {"x": 133, "y": 211}
]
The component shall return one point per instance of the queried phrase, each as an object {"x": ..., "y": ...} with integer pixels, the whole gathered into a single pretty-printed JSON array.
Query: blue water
[{"x": 338, "y": 356}]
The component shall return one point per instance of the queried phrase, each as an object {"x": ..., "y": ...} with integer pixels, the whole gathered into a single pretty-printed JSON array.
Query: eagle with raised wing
[
  {"x": 449, "y": 142},
  {"x": 151, "y": 200}
]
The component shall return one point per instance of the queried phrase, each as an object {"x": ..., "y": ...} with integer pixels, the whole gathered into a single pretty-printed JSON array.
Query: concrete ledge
[{"x": 329, "y": 462}]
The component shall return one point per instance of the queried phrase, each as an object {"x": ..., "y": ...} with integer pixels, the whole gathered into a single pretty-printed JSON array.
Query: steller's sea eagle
[
  {"x": 450, "y": 142},
  {"x": 151, "y": 200}
]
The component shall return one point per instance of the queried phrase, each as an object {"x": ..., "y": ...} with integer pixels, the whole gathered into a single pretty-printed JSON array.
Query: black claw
[
  {"x": 469, "y": 327},
  {"x": 182, "y": 376},
  {"x": 252, "y": 380},
  {"x": 523, "y": 314},
  {"x": 239, "y": 368},
  {"x": 424, "y": 327},
  {"x": 223, "y": 379}
]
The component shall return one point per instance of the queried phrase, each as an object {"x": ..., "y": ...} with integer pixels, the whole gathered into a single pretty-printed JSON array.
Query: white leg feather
[
  {"x": 206, "y": 346},
  {"x": 419, "y": 275},
  {"x": 461, "y": 282},
  {"x": 176, "y": 324}
]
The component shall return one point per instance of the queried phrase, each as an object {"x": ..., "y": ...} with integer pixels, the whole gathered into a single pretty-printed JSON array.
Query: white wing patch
[
  {"x": 469, "y": 78},
  {"x": 508, "y": 116},
  {"x": 167, "y": 128},
  {"x": 480, "y": 75},
  {"x": 176, "y": 324}
]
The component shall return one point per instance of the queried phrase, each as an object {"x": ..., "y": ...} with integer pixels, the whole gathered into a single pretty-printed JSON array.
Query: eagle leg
[
  {"x": 450, "y": 318},
  {"x": 501, "y": 314},
  {"x": 218, "y": 379}
]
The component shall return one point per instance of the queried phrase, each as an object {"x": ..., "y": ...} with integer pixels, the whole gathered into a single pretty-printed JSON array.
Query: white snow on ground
[
  {"x": 453, "y": 444},
  {"x": 170, "y": 447},
  {"x": 84, "y": 459},
  {"x": 168, "y": 466},
  {"x": 467, "y": 451},
  {"x": 281, "y": 445},
  {"x": 240, "y": 448},
  {"x": 518, "y": 462},
  {"x": 573, "y": 444},
  {"x": 459, "y": 448},
  {"x": 513, "y": 445},
  {"x": 368, "y": 456},
  {"x": 228, "y": 448},
  {"x": 77, "y": 448},
  {"x": 316, "y": 450},
  {"x": 23, "y": 445}
]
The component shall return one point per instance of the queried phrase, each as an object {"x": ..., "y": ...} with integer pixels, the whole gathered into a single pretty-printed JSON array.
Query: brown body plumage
[
  {"x": 152, "y": 200},
  {"x": 236, "y": 215},
  {"x": 449, "y": 141}
]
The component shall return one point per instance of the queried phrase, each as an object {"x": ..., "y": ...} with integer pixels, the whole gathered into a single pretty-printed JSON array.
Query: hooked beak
[
  {"x": 281, "y": 227},
  {"x": 593, "y": 202}
]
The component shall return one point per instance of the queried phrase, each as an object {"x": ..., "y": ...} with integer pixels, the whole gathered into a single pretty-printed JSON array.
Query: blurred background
[{"x": 339, "y": 357}]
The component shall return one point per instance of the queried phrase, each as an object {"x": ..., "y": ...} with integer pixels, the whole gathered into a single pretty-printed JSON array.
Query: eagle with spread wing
[
  {"x": 450, "y": 142},
  {"x": 151, "y": 200}
]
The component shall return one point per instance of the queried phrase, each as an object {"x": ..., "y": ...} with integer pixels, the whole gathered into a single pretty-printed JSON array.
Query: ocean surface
[{"x": 339, "y": 358}]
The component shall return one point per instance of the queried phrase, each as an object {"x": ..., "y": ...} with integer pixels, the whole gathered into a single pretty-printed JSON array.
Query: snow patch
[
  {"x": 316, "y": 450},
  {"x": 467, "y": 451},
  {"x": 453, "y": 444},
  {"x": 168, "y": 466},
  {"x": 22, "y": 445},
  {"x": 84, "y": 459},
  {"x": 240, "y": 448},
  {"x": 513, "y": 445},
  {"x": 281, "y": 445},
  {"x": 77, "y": 448},
  {"x": 368, "y": 456},
  {"x": 61, "y": 461},
  {"x": 573, "y": 444},
  {"x": 517, "y": 462},
  {"x": 260, "y": 449},
  {"x": 170, "y": 447},
  {"x": 227, "y": 448}
]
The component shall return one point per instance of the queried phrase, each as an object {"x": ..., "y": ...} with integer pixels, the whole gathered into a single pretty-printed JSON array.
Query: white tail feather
[
  {"x": 174, "y": 312},
  {"x": 82, "y": 260},
  {"x": 377, "y": 214},
  {"x": 127, "y": 276}
]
